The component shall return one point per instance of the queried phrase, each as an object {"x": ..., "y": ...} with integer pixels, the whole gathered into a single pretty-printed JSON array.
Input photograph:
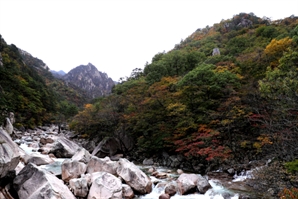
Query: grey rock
[
  {"x": 9, "y": 154},
  {"x": 102, "y": 164},
  {"x": 35, "y": 183},
  {"x": 148, "y": 161},
  {"x": 8, "y": 126},
  {"x": 133, "y": 176},
  {"x": 105, "y": 186},
  {"x": 72, "y": 169},
  {"x": 203, "y": 184},
  {"x": 171, "y": 188},
  {"x": 64, "y": 148},
  {"x": 79, "y": 187},
  {"x": 82, "y": 155},
  {"x": 127, "y": 192},
  {"x": 187, "y": 182},
  {"x": 215, "y": 51},
  {"x": 107, "y": 147}
]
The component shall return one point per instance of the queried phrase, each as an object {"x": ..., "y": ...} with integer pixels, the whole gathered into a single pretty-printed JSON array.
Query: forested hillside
[
  {"x": 226, "y": 92},
  {"x": 30, "y": 91}
]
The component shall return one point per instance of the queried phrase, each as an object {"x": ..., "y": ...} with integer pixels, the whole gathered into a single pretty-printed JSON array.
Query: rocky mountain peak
[{"x": 88, "y": 78}]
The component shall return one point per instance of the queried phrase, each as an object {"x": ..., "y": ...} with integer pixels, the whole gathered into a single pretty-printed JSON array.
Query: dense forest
[
  {"x": 226, "y": 92},
  {"x": 229, "y": 90}
]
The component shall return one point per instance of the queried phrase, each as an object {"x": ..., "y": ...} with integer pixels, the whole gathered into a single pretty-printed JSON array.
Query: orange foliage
[{"x": 289, "y": 193}]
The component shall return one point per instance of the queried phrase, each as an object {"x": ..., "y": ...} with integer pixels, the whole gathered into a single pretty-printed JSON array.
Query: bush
[{"x": 292, "y": 167}]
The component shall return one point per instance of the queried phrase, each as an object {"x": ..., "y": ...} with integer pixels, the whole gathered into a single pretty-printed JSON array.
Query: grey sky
[{"x": 117, "y": 36}]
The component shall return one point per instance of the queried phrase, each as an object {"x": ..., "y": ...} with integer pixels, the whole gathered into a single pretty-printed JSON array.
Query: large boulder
[
  {"x": 102, "y": 164},
  {"x": 127, "y": 192},
  {"x": 35, "y": 183},
  {"x": 9, "y": 154},
  {"x": 187, "y": 182},
  {"x": 133, "y": 176},
  {"x": 107, "y": 147},
  {"x": 203, "y": 184},
  {"x": 79, "y": 187},
  {"x": 82, "y": 155},
  {"x": 72, "y": 169},
  {"x": 106, "y": 186},
  {"x": 64, "y": 148},
  {"x": 38, "y": 159},
  {"x": 171, "y": 188}
]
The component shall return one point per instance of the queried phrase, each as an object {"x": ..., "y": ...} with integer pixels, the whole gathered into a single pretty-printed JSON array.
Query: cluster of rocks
[{"x": 82, "y": 175}]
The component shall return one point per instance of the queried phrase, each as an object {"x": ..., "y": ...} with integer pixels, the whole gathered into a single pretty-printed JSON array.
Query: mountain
[
  {"x": 58, "y": 74},
  {"x": 88, "y": 78},
  {"x": 32, "y": 61}
]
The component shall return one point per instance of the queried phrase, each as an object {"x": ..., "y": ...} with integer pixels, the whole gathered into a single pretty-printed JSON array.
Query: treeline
[{"x": 241, "y": 102}]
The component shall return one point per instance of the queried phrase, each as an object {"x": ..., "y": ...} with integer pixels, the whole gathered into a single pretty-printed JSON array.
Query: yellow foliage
[
  {"x": 176, "y": 108},
  {"x": 264, "y": 139},
  {"x": 88, "y": 106},
  {"x": 258, "y": 146},
  {"x": 277, "y": 47},
  {"x": 244, "y": 144}
]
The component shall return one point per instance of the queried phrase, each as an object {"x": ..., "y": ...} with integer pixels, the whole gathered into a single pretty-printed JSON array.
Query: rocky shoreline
[{"x": 82, "y": 174}]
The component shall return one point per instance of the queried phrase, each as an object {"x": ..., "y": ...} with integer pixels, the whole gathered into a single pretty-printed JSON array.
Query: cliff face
[{"x": 88, "y": 78}]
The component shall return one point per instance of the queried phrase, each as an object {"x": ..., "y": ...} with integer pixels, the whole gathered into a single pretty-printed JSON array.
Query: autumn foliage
[
  {"x": 240, "y": 104},
  {"x": 203, "y": 143}
]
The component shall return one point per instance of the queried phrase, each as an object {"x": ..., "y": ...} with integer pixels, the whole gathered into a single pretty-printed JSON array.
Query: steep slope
[
  {"x": 88, "y": 78},
  {"x": 63, "y": 91},
  {"x": 22, "y": 90}
]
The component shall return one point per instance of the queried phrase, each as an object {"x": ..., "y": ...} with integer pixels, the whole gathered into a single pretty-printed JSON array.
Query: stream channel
[{"x": 222, "y": 188}]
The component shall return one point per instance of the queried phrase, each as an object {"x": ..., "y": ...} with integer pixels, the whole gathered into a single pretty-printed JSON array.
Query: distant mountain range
[{"x": 58, "y": 74}]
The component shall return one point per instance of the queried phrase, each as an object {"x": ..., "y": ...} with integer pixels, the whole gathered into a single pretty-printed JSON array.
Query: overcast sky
[{"x": 117, "y": 36}]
